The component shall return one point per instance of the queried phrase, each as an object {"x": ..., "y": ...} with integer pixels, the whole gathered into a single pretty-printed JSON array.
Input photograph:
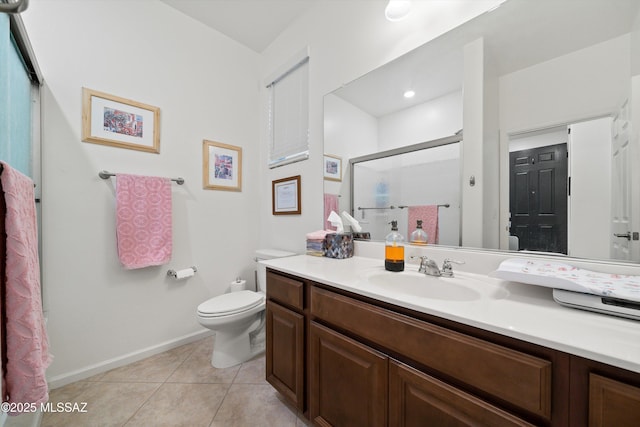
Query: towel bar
[{"x": 106, "y": 175}]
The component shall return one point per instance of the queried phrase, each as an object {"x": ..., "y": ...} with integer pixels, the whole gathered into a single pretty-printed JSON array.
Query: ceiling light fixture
[
  {"x": 397, "y": 10},
  {"x": 409, "y": 94}
]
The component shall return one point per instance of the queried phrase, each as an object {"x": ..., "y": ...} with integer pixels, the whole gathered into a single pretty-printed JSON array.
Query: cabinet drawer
[
  {"x": 285, "y": 290},
  {"x": 509, "y": 375},
  {"x": 415, "y": 397}
]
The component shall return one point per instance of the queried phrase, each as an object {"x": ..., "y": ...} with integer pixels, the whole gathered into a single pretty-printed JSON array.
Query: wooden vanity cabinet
[
  {"x": 286, "y": 326},
  {"x": 348, "y": 360}
]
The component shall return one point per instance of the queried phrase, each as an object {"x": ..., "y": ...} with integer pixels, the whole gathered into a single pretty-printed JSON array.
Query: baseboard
[
  {"x": 89, "y": 371},
  {"x": 30, "y": 419}
]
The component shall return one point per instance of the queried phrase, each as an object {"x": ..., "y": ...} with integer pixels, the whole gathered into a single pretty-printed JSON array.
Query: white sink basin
[{"x": 462, "y": 287}]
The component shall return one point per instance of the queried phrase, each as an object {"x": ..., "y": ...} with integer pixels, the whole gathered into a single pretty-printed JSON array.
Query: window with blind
[{"x": 289, "y": 115}]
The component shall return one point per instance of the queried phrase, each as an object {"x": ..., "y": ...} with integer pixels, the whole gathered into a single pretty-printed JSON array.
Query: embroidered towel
[
  {"x": 429, "y": 216},
  {"x": 143, "y": 220},
  {"x": 330, "y": 204},
  {"x": 27, "y": 345}
]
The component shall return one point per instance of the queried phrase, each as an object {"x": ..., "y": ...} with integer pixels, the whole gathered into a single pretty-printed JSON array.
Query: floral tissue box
[{"x": 338, "y": 245}]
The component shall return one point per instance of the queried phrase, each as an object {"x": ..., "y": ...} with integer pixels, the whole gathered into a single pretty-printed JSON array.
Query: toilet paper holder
[{"x": 174, "y": 273}]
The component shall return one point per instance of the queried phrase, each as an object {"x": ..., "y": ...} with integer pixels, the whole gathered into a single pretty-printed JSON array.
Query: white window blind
[{"x": 289, "y": 116}]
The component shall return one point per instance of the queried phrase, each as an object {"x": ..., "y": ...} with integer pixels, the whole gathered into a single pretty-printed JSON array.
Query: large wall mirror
[{"x": 519, "y": 130}]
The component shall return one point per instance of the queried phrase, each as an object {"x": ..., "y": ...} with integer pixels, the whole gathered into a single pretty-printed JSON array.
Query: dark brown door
[
  {"x": 348, "y": 381},
  {"x": 285, "y": 352},
  {"x": 538, "y": 198}
]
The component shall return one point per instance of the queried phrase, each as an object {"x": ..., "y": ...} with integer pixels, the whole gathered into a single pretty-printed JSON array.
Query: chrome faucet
[{"x": 430, "y": 268}]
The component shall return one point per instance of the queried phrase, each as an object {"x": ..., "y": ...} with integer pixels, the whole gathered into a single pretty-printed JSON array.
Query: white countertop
[{"x": 525, "y": 312}]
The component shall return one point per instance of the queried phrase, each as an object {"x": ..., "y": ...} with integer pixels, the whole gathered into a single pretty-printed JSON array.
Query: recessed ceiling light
[
  {"x": 409, "y": 94},
  {"x": 397, "y": 10}
]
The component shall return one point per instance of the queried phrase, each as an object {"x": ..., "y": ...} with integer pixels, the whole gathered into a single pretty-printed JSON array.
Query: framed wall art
[
  {"x": 119, "y": 122},
  {"x": 332, "y": 168},
  {"x": 221, "y": 166},
  {"x": 285, "y": 194}
]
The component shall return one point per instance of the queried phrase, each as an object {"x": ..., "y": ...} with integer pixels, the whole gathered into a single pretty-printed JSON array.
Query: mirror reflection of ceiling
[{"x": 540, "y": 30}]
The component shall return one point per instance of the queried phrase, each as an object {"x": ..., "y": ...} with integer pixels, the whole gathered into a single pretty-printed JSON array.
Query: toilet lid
[{"x": 230, "y": 303}]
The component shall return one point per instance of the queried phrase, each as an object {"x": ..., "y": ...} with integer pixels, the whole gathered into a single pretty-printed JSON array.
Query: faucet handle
[{"x": 447, "y": 268}]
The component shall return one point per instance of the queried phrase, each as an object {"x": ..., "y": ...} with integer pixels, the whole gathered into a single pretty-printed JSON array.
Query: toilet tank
[{"x": 261, "y": 269}]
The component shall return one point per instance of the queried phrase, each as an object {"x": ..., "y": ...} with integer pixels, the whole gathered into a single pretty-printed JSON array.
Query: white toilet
[{"x": 237, "y": 318}]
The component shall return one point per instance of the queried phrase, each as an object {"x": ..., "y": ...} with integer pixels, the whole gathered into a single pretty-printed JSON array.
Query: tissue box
[
  {"x": 362, "y": 235},
  {"x": 338, "y": 245}
]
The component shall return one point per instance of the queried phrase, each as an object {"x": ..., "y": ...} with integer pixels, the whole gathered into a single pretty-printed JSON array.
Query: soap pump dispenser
[
  {"x": 419, "y": 236},
  {"x": 394, "y": 249}
]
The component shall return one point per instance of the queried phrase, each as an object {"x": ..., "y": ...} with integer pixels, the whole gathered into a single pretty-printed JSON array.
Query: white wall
[
  {"x": 348, "y": 132},
  {"x": 535, "y": 139},
  {"x": 206, "y": 87},
  {"x": 346, "y": 40},
  {"x": 472, "y": 148},
  {"x": 590, "y": 200},
  {"x": 524, "y": 94},
  {"x": 436, "y": 118},
  {"x": 491, "y": 155}
]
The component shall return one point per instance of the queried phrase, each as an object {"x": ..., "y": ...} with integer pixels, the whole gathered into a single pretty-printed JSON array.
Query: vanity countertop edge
[{"x": 525, "y": 312}]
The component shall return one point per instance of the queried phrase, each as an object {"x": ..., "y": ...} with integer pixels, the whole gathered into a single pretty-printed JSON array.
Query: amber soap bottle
[{"x": 394, "y": 249}]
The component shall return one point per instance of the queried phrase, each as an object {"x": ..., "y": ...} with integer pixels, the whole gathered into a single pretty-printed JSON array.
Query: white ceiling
[
  {"x": 254, "y": 23},
  {"x": 518, "y": 34}
]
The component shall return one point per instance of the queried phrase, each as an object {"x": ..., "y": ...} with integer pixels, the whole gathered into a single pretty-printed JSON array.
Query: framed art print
[
  {"x": 221, "y": 166},
  {"x": 119, "y": 122},
  {"x": 332, "y": 168}
]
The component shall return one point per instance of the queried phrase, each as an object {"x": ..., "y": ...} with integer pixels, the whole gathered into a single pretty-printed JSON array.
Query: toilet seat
[{"x": 231, "y": 303}]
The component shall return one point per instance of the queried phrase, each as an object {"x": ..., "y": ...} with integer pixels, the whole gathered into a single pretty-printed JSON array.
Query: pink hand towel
[
  {"x": 27, "y": 345},
  {"x": 330, "y": 204},
  {"x": 429, "y": 216},
  {"x": 143, "y": 220}
]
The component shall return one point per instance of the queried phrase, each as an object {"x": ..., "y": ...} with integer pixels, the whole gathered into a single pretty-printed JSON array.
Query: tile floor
[{"x": 177, "y": 388}]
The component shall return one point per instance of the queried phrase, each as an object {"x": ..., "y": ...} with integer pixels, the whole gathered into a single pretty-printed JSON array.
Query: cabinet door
[
  {"x": 612, "y": 403},
  {"x": 285, "y": 352},
  {"x": 416, "y": 399},
  {"x": 348, "y": 381}
]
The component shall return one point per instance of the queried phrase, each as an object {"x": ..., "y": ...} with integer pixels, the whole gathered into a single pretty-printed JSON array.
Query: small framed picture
[
  {"x": 285, "y": 195},
  {"x": 119, "y": 122},
  {"x": 221, "y": 166},
  {"x": 332, "y": 168}
]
